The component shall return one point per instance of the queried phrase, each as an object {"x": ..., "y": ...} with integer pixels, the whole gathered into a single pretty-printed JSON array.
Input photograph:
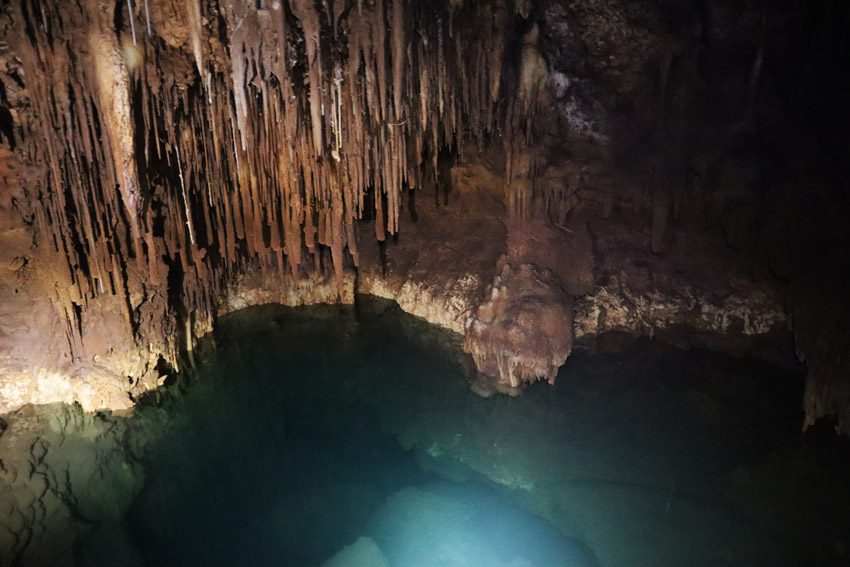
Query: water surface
[{"x": 348, "y": 436}]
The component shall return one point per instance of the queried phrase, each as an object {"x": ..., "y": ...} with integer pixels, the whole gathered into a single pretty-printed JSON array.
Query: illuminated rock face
[
  {"x": 174, "y": 147},
  {"x": 522, "y": 333},
  {"x": 164, "y": 162},
  {"x": 446, "y": 524},
  {"x": 260, "y": 150}
]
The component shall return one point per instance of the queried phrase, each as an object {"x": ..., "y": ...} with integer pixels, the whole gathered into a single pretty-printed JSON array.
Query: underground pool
[{"x": 348, "y": 436}]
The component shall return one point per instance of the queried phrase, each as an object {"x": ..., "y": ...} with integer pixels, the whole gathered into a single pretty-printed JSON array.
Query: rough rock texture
[
  {"x": 163, "y": 150},
  {"x": 447, "y": 249},
  {"x": 260, "y": 289},
  {"x": 616, "y": 307},
  {"x": 522, "y": 332},
  {"x": 97, "y": 362},
  {"x": 600, "y": 268},
  {"x": 692, "y": 283},
  {"x": 65, "y": 476},
  {"x": 157, "y": 158}
]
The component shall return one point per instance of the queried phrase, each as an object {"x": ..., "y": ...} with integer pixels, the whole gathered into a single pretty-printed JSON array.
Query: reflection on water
[{"x": 349, "y": 437}]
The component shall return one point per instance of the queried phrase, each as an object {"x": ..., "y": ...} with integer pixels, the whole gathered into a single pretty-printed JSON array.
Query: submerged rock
[
  {"x": 448, "y": 525},
  {"x": 362, "y": 553},
  {"x": 64, "y": 475}
]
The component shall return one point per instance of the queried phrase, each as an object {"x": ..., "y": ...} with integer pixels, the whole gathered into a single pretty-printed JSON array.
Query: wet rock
[
  {"x": 449, "y": 525},
  {"x": 743, "y": 312},
  {"x": 362, "y": 553},
  {"x": 254, "y": 288},
  {"x": 523, "y": 332},
  {"x": 63, "y": 473},
  {"x": 147, "y": 95}
]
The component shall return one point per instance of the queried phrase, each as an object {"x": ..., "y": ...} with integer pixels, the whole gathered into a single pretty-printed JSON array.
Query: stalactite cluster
[{"x": 185, "y": 141}]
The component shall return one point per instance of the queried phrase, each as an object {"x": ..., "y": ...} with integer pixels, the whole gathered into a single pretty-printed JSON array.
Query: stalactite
[
  {"x": 261, "y": 129},
  {"x": 196, "y": 32}
]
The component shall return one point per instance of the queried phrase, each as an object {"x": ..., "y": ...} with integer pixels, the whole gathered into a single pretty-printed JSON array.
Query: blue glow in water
[
  {"x": 327, "y": 437},
  {"x": 468, "y": 525}
]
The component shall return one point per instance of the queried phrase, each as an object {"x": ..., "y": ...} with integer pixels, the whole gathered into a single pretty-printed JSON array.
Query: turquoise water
[
  {"x": 348, "y": 436},
  {"x": 286, "y": 447}
]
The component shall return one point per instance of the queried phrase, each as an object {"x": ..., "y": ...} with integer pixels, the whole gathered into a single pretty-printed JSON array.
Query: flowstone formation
[{"x": 522, "y": 333}]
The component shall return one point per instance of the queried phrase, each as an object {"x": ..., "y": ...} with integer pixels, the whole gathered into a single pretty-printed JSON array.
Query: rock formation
[
  {"x": 522, "y": 332},
  {"x": 580, "y": 166},
  {"x": 188, "y": 144}
]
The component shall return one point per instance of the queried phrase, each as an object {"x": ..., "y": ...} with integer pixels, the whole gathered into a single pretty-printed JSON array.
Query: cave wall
[
  {"x": 173, "y": 147},
  {"x": 630, "y": 165}
]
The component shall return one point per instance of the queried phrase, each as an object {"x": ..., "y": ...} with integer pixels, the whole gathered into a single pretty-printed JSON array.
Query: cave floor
[{"x": 305, "y": 433}]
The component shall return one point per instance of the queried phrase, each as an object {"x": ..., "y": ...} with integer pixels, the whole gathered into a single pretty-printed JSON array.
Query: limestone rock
[
  {"x": 523, "y": 332},
  {"x": 362, "y": 553}
]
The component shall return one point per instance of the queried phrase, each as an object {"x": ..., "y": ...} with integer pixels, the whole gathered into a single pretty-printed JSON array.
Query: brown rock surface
[
  {"x": 523, "y": 331},
  {"x": 441, "y": 263},
  {"x": 163, "y": 162}
]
